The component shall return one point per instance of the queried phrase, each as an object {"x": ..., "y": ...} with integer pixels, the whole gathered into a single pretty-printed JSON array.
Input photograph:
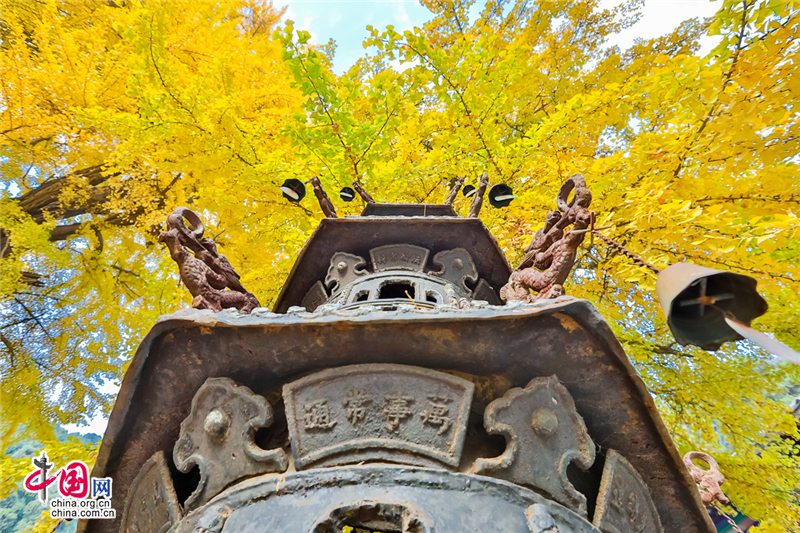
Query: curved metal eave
[{"x": 567, "y": 337}]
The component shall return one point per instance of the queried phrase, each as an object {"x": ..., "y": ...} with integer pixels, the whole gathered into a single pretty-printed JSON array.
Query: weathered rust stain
[
  {"x": 487, "y": 388},
  {"x": 567, "y": 322}
]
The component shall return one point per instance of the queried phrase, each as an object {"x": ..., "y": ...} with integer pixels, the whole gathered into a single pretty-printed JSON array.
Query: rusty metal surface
[
  {"x": 404, "y": 269},
  {"x": 152, "y": 505},
  {"x": 357, "y": 235},
  {"x": 218, "y": 436},
  {"x": 407, "y": 499},
  {"x": 552, "y": 253},
  {"x": 544, "y": 434},
  {"x": 420, "y": 289},
  {"x": 624, "y": 504},
  {"x": 477, "y": 201},
  {"x": 511, "y": 344},
  {"x": 206, "y": 274},
  {"x": 322, "y": 197},
  {"x": 485, "y": 292},
  {"x": 408, "y": 210},
  {"x": 393, "y": 413},
  {"x": 709, "y": 480},
  {"x": 368, "y": 199}
]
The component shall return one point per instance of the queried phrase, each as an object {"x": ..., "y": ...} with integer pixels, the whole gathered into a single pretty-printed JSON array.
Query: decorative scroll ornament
[
  {"x": 218, "y": 437},
  {"x": 151, "y": 504},
  {"x": 456, "y": 267},
  {"x": 345, "y": 269},
  {"x": 709, "y": 480},
  {"x": 544, "y": 433},
  {"x": 551, "y": 254},
  {"x": 206, "y": 274},
  {"x": 393, "y": 413},
  {"x": 624, "y": 503}
]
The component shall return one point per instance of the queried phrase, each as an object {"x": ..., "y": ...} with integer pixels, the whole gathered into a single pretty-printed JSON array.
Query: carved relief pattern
[
  {"x": 218, "y": 437},
  {"x": 544, "y": 433},
  {"x": 151, "y": 505},
  {"x": 345, "y": 269},
  {"x": 624, "y": 504},
  {"x": 456, "y": 267},
  {"x": 395, "y": 412},
  {"x": 350, "y": 283}
]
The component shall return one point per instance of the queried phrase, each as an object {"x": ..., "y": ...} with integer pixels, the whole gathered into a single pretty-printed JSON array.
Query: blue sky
[{"x": 346, "y": 23}]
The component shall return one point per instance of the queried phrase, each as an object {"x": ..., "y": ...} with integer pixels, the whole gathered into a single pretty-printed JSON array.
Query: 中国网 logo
[{"x": 82, "y": 497}]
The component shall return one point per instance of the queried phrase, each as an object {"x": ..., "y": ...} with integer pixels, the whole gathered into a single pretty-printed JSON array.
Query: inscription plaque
[
  {"x": 399, "y": 256},
  {"x": 377, "y": 411}
]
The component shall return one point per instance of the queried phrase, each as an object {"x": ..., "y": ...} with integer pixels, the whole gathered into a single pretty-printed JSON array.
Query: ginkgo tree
[{"x": 115, "y": 113}]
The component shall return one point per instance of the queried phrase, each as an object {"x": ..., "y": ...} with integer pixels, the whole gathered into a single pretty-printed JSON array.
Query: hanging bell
[
  {"x": 347, "y": 194},
  {"x": 501, "y": 195},
  {"x": 705, "y": 307},
  {"x": 469, "y": 191},
  {"x": 293, "y": 190}
]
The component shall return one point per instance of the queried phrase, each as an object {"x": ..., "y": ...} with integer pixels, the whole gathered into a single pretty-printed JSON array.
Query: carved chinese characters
[
  {"x": 317, "y": 415},
  {"x": 544, "y": 434},
  {"x": 355, "y": 404},
  {"x": 399, "y": 256},
  {"x": 390, "y": 412},
  {"x": 624, "y": 504},
  {"x": 437, "y": 412},
  {"x": 397, "y": 409},
  {"x": 218, "y": 437}
]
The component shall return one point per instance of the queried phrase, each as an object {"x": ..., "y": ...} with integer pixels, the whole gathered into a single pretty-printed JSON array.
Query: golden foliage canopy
[{"x": 116, "y": 112}]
